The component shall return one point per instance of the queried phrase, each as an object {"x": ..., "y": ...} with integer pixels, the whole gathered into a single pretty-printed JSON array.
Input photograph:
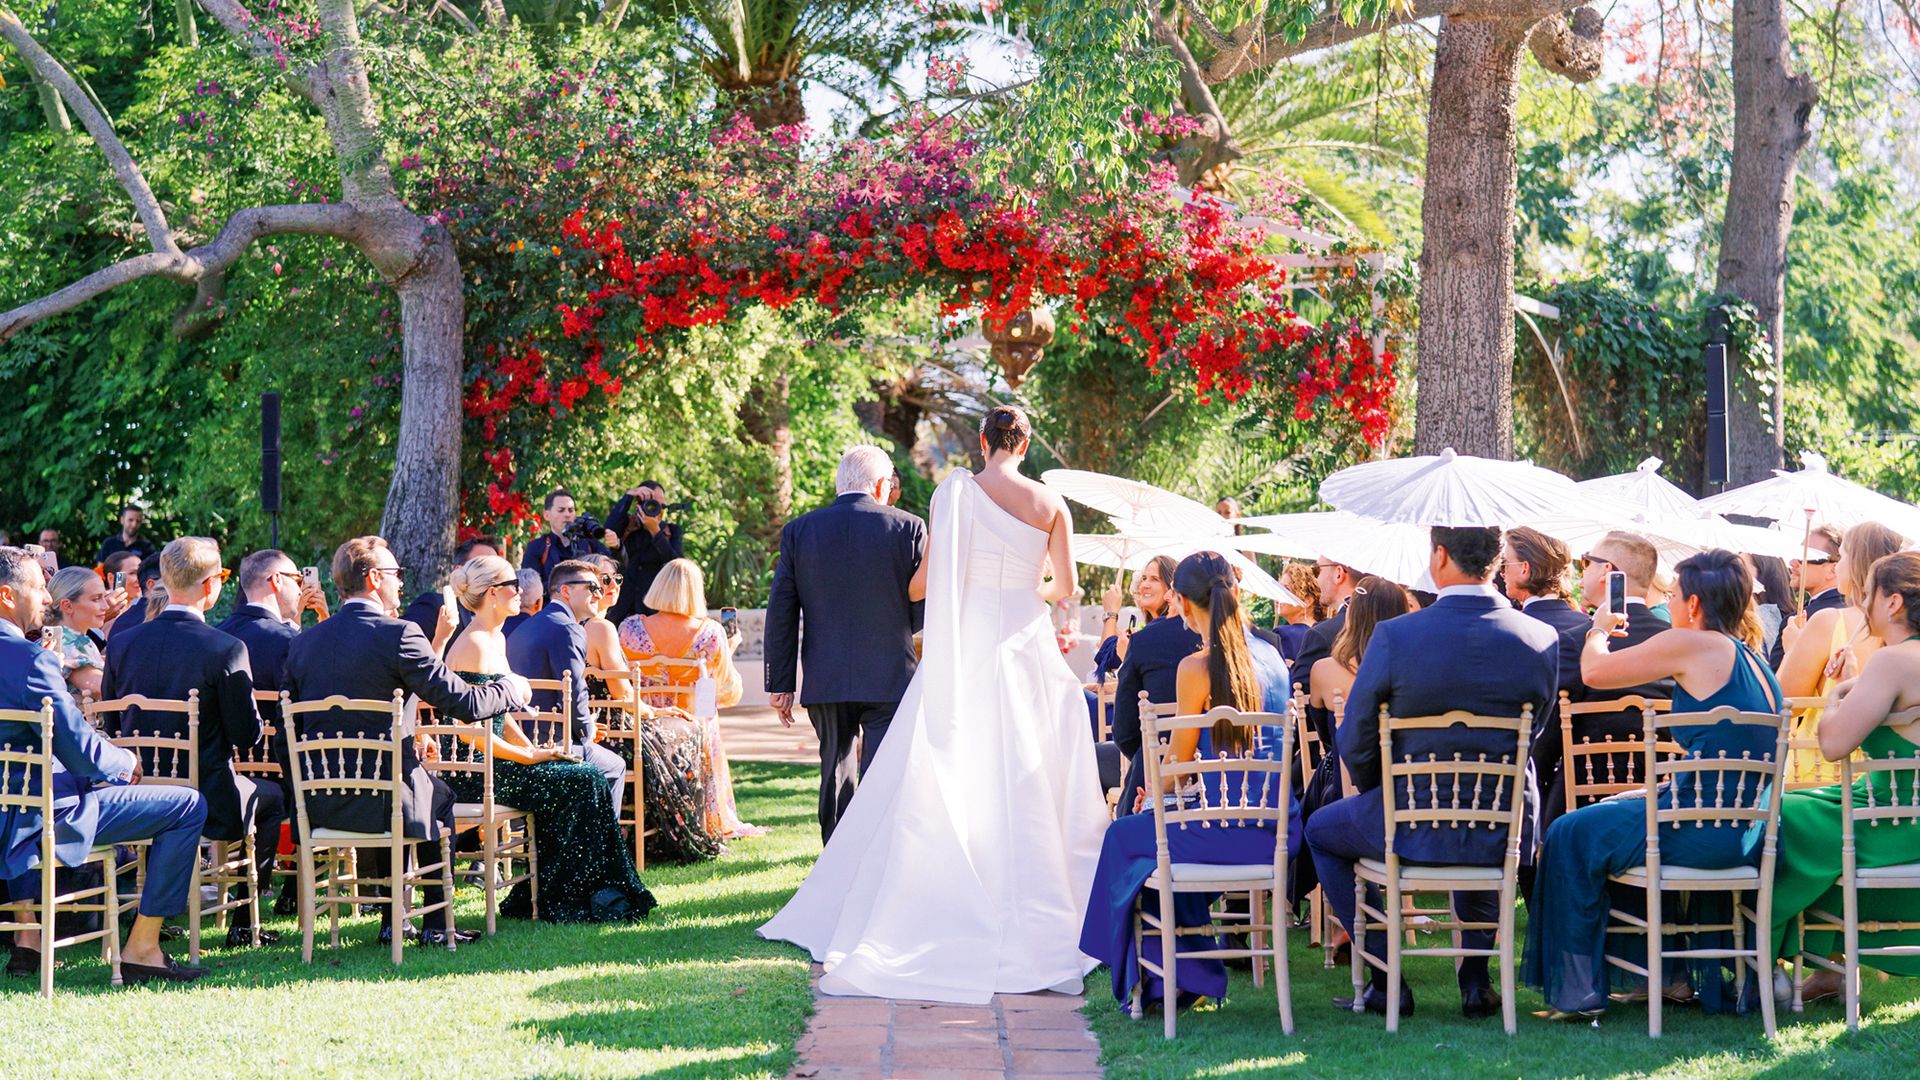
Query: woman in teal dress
[
  {"x": 585, "y": 864},
  {"x": 1807, "y": 871},
  {"x": 1709, "y": 655}
]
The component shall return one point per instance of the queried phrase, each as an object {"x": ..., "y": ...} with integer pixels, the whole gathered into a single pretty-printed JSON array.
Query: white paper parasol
[
  {"x": 1450, "y": 489},
  {"x": 1157, "y": 510},
  {"x": 1399, "y": 553},
  {"x": 1787, "y": 497},
  {"x": 1133, "y": 546},
  {"x": 1646, "y": 488},
  {"x": 1674, "y": 537}
]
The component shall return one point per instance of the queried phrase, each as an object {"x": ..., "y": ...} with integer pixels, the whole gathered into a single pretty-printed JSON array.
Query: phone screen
[
  {"x": 120, "y": 580},
  {"x": 1617, "y": 593},
  {"x": 447, "y": 598},
  {"x": 728, "y": 616}
]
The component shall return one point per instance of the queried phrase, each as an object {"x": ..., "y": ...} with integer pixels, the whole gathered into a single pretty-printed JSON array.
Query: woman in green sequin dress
[
  {"x": 585, "y": 865},
  {"x": 1807, "y": 873}
]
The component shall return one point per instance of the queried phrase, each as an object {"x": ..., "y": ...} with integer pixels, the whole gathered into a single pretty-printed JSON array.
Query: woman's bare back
[{"x": 1029, "y": 500}]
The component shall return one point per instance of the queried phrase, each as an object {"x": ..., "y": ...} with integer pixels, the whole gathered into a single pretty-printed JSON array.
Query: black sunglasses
[
  {"x": 1589, "y": 560},
  {"x": 591, "y": 586}
]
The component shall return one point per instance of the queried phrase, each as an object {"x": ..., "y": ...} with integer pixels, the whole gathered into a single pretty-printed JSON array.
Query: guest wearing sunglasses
[
  {"x": 554, "y": 643},
  {"x": 175, "y": 654},
  {"x": 1817, "y": 575}
]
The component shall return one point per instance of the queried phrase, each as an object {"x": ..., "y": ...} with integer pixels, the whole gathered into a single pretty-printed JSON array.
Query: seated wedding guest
[
  {"x": 1709, "y": 655},
  {"x": 1235, "y": 668},
  {"x": 1817, "y": 575},
  {"x": 533, "y": 595},
  {"x": 1832, "y": 642},
  {"x": 1635, "y": 557},
  {"x": 1335, "y": 582},
  {"x": 1534, "y": 571},
  {"x": 1152, "y": 595},
  {"x": 1374, "y": 601},
  {"x": 176, "y": 653},
  {"x": 127, "y": 563},
  {"x": 1470, "y": 650},
  {"x": 1660, "y": 595},
  {"x": 585, "y": 871},
  {"x": 266, "y": 624},
  {"x": 1153, "y": 658},
  {"x": 362, "y": 652},
  {"x": 1300, "y": 580},
  {"x": 424, "y": 611},
  {"x": 603, "y": 638},
  {"x": 120, "y": 811},
  {"x": 1229, "y": 508},
  {"x": 1773, "y": 600},
  {"x": 1807, "y": 873},
  {"x": 82, "y": 606},
  {"x": 679, "y": 628},
  {"x": 128, "y": 539},
  {"x": 554, "y": 643},
  {"x": 145, "y": 579}
]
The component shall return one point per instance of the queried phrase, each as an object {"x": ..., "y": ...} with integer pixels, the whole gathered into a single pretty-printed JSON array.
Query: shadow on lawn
[{"x": 723, "y": 1020}]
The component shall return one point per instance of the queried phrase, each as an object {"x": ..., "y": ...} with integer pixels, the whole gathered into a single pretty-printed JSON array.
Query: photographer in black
[
  {"x": 648, "y": 541},
  {"x": 570, "y": 535}
]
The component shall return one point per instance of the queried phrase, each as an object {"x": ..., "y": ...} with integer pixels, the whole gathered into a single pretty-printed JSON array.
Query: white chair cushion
[
  {"x": 473, "y": 811},
  {"x": 1888, "y": 873},
  {"x": 343, "y": 836},
  {"x": 1242, "y": 874},
  {"x": 1377, "y": 868},
  {"x": 1732, "y": 875}
]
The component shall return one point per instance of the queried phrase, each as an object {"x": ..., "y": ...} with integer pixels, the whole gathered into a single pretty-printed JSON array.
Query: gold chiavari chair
[
  {"x": 1487, "y": 792},
  {"x": 545, "y": 729},
  {"x": 620, "y": 722},
  {"x": 506, "y": 832},
  {"x": 366, "y": 765},
  {"x": 1594, "y": 769},
  {"x": 1724, "y": 792},
  {"x": 1253, "y": 790},
  {"x": 26, "y": 787},
  {"x": 1806, "y": 768}
]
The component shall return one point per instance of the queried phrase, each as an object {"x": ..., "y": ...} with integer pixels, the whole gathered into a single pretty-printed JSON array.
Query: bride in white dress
[{"x": 963, "y": 866}]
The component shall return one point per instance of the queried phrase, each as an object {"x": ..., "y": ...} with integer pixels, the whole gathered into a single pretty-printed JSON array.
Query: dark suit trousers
[
  {"x": 842, "y": 725},
  {"x": 1353, "y": 828},
  {"x": 265, "y": 805},
  {"x": 425, "y": 853}
]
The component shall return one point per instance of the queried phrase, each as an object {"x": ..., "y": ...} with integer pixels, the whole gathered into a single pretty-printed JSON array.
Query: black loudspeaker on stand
[
  {"x": 270, "y": 460},
  {"x": 1717, "y": 393}
]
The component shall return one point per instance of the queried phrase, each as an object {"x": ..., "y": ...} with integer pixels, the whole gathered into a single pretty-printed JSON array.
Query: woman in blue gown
[
  {"x": 1153, "y": 595},
  {"x": 1234, "y": 668},
  {"x": 1709, "y": 654}
]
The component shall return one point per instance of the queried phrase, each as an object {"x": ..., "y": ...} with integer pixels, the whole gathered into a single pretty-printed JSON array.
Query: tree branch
[
  {"x": 1264, "y": 51},
  {"x": 244, "y": 26},
  {"x": 202, "y": 266},
  {"x": 42, "y": 63},
  {"x": 1203, "y": 23},
  {"x": 1569, "y": 46},
  {"x": 1217, "y": 145}
]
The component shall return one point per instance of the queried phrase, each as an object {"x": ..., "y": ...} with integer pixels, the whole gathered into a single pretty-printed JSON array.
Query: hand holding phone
[
  {"x": 310, "y": 576},
  {"x": 1617, "y": 592}
]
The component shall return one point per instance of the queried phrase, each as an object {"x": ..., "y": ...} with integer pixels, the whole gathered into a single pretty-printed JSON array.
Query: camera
[
  {"x": 653, "y": 508},
  {"x": 586, "y": 527}
]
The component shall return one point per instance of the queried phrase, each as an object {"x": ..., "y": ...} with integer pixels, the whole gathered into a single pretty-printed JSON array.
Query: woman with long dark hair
[{"x": 1234, "y": 667}]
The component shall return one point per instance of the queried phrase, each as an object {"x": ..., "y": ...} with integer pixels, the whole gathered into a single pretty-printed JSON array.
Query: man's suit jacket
[
  {"x": 547, "y": 646},
  {"x": 360, "y": 653},
  {"x": 424, "y": 612},
  {"x": 1152, "y": 664},
  {"x": 267, "y": 638},
  {"x": 169, "y": 656},
  {"x": 1829, "y": 598},
  {"x": 1317, "y": 646},
  {"x": 845, "y": 567},
  {"x": 135, "y": 614},
  {"x": 29, "y": 675},
  {"x": 1465, "y": 652}
]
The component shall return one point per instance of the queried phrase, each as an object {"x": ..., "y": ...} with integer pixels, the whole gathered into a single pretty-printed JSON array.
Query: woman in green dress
[
  {"x": 1807, "y": 874},
  {"x": 585, "y": 865}
]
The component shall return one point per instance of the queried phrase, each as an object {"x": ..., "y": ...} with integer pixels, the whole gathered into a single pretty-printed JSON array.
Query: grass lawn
[
  {"x": 1243, "y": 1038},
  {"x": 691, "y": 992}
]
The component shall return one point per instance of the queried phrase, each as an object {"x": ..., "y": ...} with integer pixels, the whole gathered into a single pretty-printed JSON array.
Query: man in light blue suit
[
  {"x": 1471, "y": 651},
  {"x": 85, "y": 815}
]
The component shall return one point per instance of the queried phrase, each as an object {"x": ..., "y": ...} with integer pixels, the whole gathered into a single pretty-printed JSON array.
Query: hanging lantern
[{"x": 1019, "y": 344}]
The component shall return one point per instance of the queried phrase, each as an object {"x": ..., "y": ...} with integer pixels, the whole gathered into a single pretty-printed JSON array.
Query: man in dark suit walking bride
[{"x": 846, "y": 569}]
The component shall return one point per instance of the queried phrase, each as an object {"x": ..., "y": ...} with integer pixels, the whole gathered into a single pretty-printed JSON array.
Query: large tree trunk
[
  {"x": 1771, "y": 111},
  {"x": 189, "y": 29},
  {"x": 766, "y": 415},
  {"x": 423, "y": 499},
  {"x": 1465, "y": 344}
]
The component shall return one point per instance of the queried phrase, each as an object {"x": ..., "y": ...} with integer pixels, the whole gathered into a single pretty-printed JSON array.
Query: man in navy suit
[
  {"x": 424, "y": 611},
  {"x": 1152, "y": 664},
  {"x": 1336, "y": 582},
  {"x": 176, "y": 653},
  {"x": 363, "y": 652},
  {"x": 552, "y": 644},
  {"x": 85, "y": 815},
  {"x": 1534, "y": 570},
  {"x": 1470, "y": 650},
  {"x": 847, "y": 568},
  {"x": 144, "y": 579}
]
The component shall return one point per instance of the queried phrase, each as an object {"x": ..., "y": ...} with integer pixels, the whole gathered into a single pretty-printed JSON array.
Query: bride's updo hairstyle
[
  {"x": 1206, "y": 580},
  {"x": 1005, "y": 428},
  {"x": 472, "y": 579}
]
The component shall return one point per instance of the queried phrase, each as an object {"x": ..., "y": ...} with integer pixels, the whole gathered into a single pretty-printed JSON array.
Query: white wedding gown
[{"x": 963, "y": 865}]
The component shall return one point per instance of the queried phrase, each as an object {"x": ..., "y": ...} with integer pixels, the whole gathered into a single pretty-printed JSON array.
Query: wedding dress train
[{"x": 963, "y": 865}]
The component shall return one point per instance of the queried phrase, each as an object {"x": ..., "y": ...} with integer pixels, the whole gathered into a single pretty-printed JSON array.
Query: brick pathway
[{"x": 1017, "y": 1035}]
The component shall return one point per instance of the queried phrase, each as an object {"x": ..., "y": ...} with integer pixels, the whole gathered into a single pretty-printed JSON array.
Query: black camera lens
[{"x": 651, "y": 507}]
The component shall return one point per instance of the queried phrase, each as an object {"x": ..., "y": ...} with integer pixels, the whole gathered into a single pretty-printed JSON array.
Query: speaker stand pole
[{"x": 276, "y": 530}]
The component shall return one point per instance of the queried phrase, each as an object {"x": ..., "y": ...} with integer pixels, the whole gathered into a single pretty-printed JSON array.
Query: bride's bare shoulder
[{"x": 1029, "y": 500}]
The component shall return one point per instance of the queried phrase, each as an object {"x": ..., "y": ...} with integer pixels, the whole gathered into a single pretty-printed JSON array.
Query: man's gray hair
[
  {"x": 862, "y": 469},
  {"x": 13, "y": 565},
  {"x": 529, "y": 578}
]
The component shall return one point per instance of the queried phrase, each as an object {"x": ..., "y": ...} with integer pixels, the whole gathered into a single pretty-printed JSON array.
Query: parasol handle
[{"x": 1806, "y": 544}]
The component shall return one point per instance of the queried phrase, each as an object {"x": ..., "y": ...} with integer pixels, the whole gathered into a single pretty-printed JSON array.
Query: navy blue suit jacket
[
  {"x": 167, "y": 657},
  {"x": 135, "y": 614},
  {"x": 29, "y": 675},
  {"x": 1473, "y": 653},
  {"x": 266, "y": 639},
  {"x": 1152, "y": 664},
  {"x": 545, "y": 647},
  {"x": 845, "y": 567}
]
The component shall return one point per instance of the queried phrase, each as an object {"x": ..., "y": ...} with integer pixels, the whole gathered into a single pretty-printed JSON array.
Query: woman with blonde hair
[
  {"x": 679, "y": 629},
  {"x": 82, "y": 606},
  {"x": 1831, "y": 645}
]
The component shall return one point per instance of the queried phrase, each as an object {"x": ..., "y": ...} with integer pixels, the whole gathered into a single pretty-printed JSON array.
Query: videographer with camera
[
  {"x": 570, "y": 535},
  {"x": 648, "y": 541}
]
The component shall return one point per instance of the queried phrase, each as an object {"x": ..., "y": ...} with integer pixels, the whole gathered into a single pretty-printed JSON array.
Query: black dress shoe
[
  {"x": 386, "y": 935},
  {"x": 239, "y": 937},
  {"x": 1374, "y": 1000},
  {"x": 434, "y": 936},
  {"x": 170, "y": 932},
  {"x": 287, "y": 903},
  {"x": 173, "y": 971},
  {"x": 1479, "y": 1002},
  {"x": 25, "y": 962}
]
